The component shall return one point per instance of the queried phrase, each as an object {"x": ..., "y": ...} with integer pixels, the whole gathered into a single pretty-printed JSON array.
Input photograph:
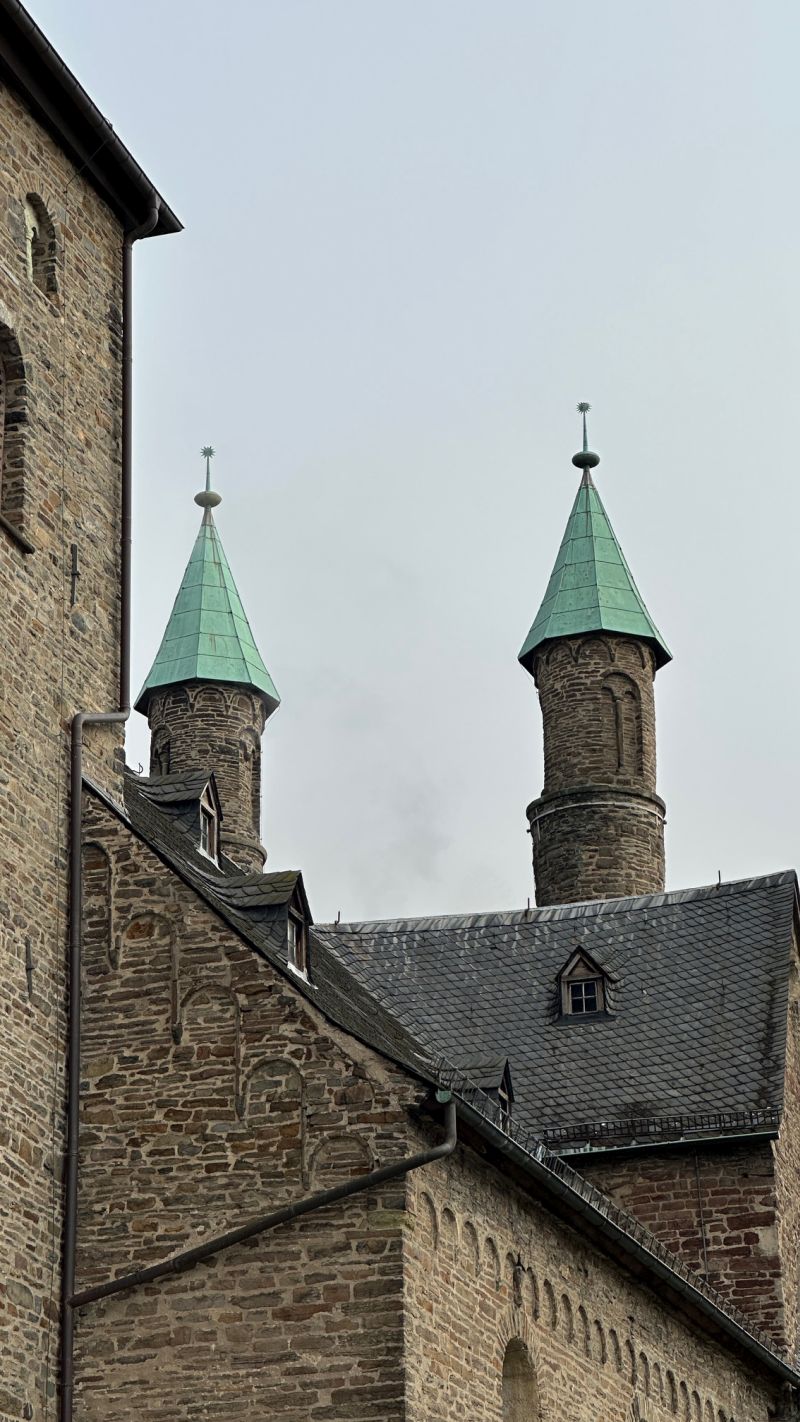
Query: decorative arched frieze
[
  {"x": 532, "y": 1294},
  {"x": 600, "y": 1349},
  {"x": 550, "y": 1306},
  {"x": 598, "y": 649},
  {"x": 428, "y": 1219},
  {"x": 470, "y": 1248},
  {"x": 492, "y": 1262},
  {"x": 567, "y": 1322},
  {"x": 614, "y": 1350},
  {"x": 584, "y": 1333},
  {"x": 448, "y": 1234}
]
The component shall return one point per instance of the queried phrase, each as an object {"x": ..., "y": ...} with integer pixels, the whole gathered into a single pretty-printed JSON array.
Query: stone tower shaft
[
  {"x": 593, "y": 651},
  {"x": 598, "y": 827}
]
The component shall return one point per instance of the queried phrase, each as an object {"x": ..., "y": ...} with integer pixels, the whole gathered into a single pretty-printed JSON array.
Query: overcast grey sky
[{"x": 416, "y": 234}]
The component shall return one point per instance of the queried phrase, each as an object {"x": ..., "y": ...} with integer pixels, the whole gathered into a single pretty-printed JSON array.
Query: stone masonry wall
[
  {"x": 786, "y": 1156},
  {"x": 717, "y": 1210},
  {"x": 598, "y": 827},
  {"x": 219, "y": 728},
  {"x": 214, "y": 1092},
  {"x": 62, "y": 487},
  {"x": 491, "y": 1275}
]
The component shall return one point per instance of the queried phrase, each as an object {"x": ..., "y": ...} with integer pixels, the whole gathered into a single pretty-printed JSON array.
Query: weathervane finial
[
  {"x": 207, "y": 499},
  {"x": 585, "y": 459}
]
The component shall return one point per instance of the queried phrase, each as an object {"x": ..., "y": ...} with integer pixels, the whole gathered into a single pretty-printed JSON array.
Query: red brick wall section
[
  {"x": 213, "y": 1093},
  {"x": 718, "y": 1212},
  {"x": 484, "y": 1268},
  {"x": 56, "y": 658}
]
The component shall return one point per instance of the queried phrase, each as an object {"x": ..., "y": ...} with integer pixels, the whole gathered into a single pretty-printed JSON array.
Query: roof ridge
[{"x": 584, "y": 909}]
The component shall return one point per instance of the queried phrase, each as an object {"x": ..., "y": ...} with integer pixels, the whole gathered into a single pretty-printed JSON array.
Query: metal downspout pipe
[
  {"x": 81, "y": 719},
  {"x": 354, "y": 1186}
]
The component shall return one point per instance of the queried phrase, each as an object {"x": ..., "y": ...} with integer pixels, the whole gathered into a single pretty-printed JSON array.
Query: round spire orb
[
  {"x": 586, "y": 459},
  {"x": 208, "y": 499}
]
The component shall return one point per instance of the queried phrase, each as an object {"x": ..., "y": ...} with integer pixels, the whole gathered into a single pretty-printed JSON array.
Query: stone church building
[{"x": 501, "y": 1166}]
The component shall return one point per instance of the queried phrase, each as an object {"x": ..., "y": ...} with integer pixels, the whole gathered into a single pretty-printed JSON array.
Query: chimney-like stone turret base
[
  {"x": 596, "y": 843},
  {"x": 598, "y": 826}
]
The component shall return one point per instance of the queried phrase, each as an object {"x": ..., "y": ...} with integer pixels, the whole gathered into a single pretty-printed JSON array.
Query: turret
[
  {"x": 593, "y": 651},
  {"x": 208, "y": 695}
]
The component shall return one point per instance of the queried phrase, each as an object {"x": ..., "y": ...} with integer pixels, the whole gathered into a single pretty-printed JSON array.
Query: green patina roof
[
  {"x": 208, "y": 637},
  {"x": 591, "y": 588}
]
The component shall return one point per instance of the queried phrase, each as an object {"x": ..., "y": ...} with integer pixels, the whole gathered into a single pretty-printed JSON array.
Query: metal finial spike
[
  {"x": 585, "y": 459},
  {"x": 208, "y": 453},
  {"x": 207, "y": 499}
]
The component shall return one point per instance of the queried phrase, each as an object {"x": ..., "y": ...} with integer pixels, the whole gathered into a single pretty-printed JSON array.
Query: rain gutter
[
  {"x": 665, "y": 1147},
  {"x": 626, "y": 1243}
]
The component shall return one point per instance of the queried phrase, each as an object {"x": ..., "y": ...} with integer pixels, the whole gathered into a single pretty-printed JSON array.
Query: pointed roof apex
[
  {"x": 208, "y": 636},
  {"x": 591, "y": 587}
]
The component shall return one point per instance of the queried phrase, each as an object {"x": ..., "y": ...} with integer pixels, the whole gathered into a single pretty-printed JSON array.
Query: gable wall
[
  {"x": 486, "y": 1265},
  {"x": 212, "y": 1094},
  {"x": 54, "y": 660}
]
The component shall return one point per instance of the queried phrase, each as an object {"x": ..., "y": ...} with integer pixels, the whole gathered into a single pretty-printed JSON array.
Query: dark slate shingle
[{"x": 699, "y": 998}]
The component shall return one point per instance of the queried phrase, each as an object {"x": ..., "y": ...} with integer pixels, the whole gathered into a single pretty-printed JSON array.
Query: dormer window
[
  {"x": 297, "y": 945},
  {"x": 586, "y": 995},
  {"x": 582, "y": 987},
  {"x": 209, "y": 826}
]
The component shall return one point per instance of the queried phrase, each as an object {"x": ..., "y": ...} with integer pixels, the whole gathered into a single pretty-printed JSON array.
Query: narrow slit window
[
  {"x": 296, "y": 945},
  {"x": 209, "y": 827}
]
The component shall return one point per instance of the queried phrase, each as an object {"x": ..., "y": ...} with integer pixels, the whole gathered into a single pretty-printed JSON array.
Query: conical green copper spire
[
  {"x": 208, "y": 637},
  {"x": 591, "y": 588}
]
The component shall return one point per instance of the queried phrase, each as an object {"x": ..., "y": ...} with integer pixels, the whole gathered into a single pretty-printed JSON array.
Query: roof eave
[{"x": 33, "y": 67}]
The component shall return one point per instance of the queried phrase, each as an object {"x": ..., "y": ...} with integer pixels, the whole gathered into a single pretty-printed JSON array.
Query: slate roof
[
  {"x": 591, "y": 587},
  {"x": 208, "y": 636},
  {"x": 176, "y": 787},
  {"x": 699, "y": 1002}
]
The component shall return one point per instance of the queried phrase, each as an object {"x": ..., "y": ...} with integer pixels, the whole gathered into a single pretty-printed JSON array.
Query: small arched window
[
  {"x": 520, "y": 1393},
  {"x": 40, "y": 245}
]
